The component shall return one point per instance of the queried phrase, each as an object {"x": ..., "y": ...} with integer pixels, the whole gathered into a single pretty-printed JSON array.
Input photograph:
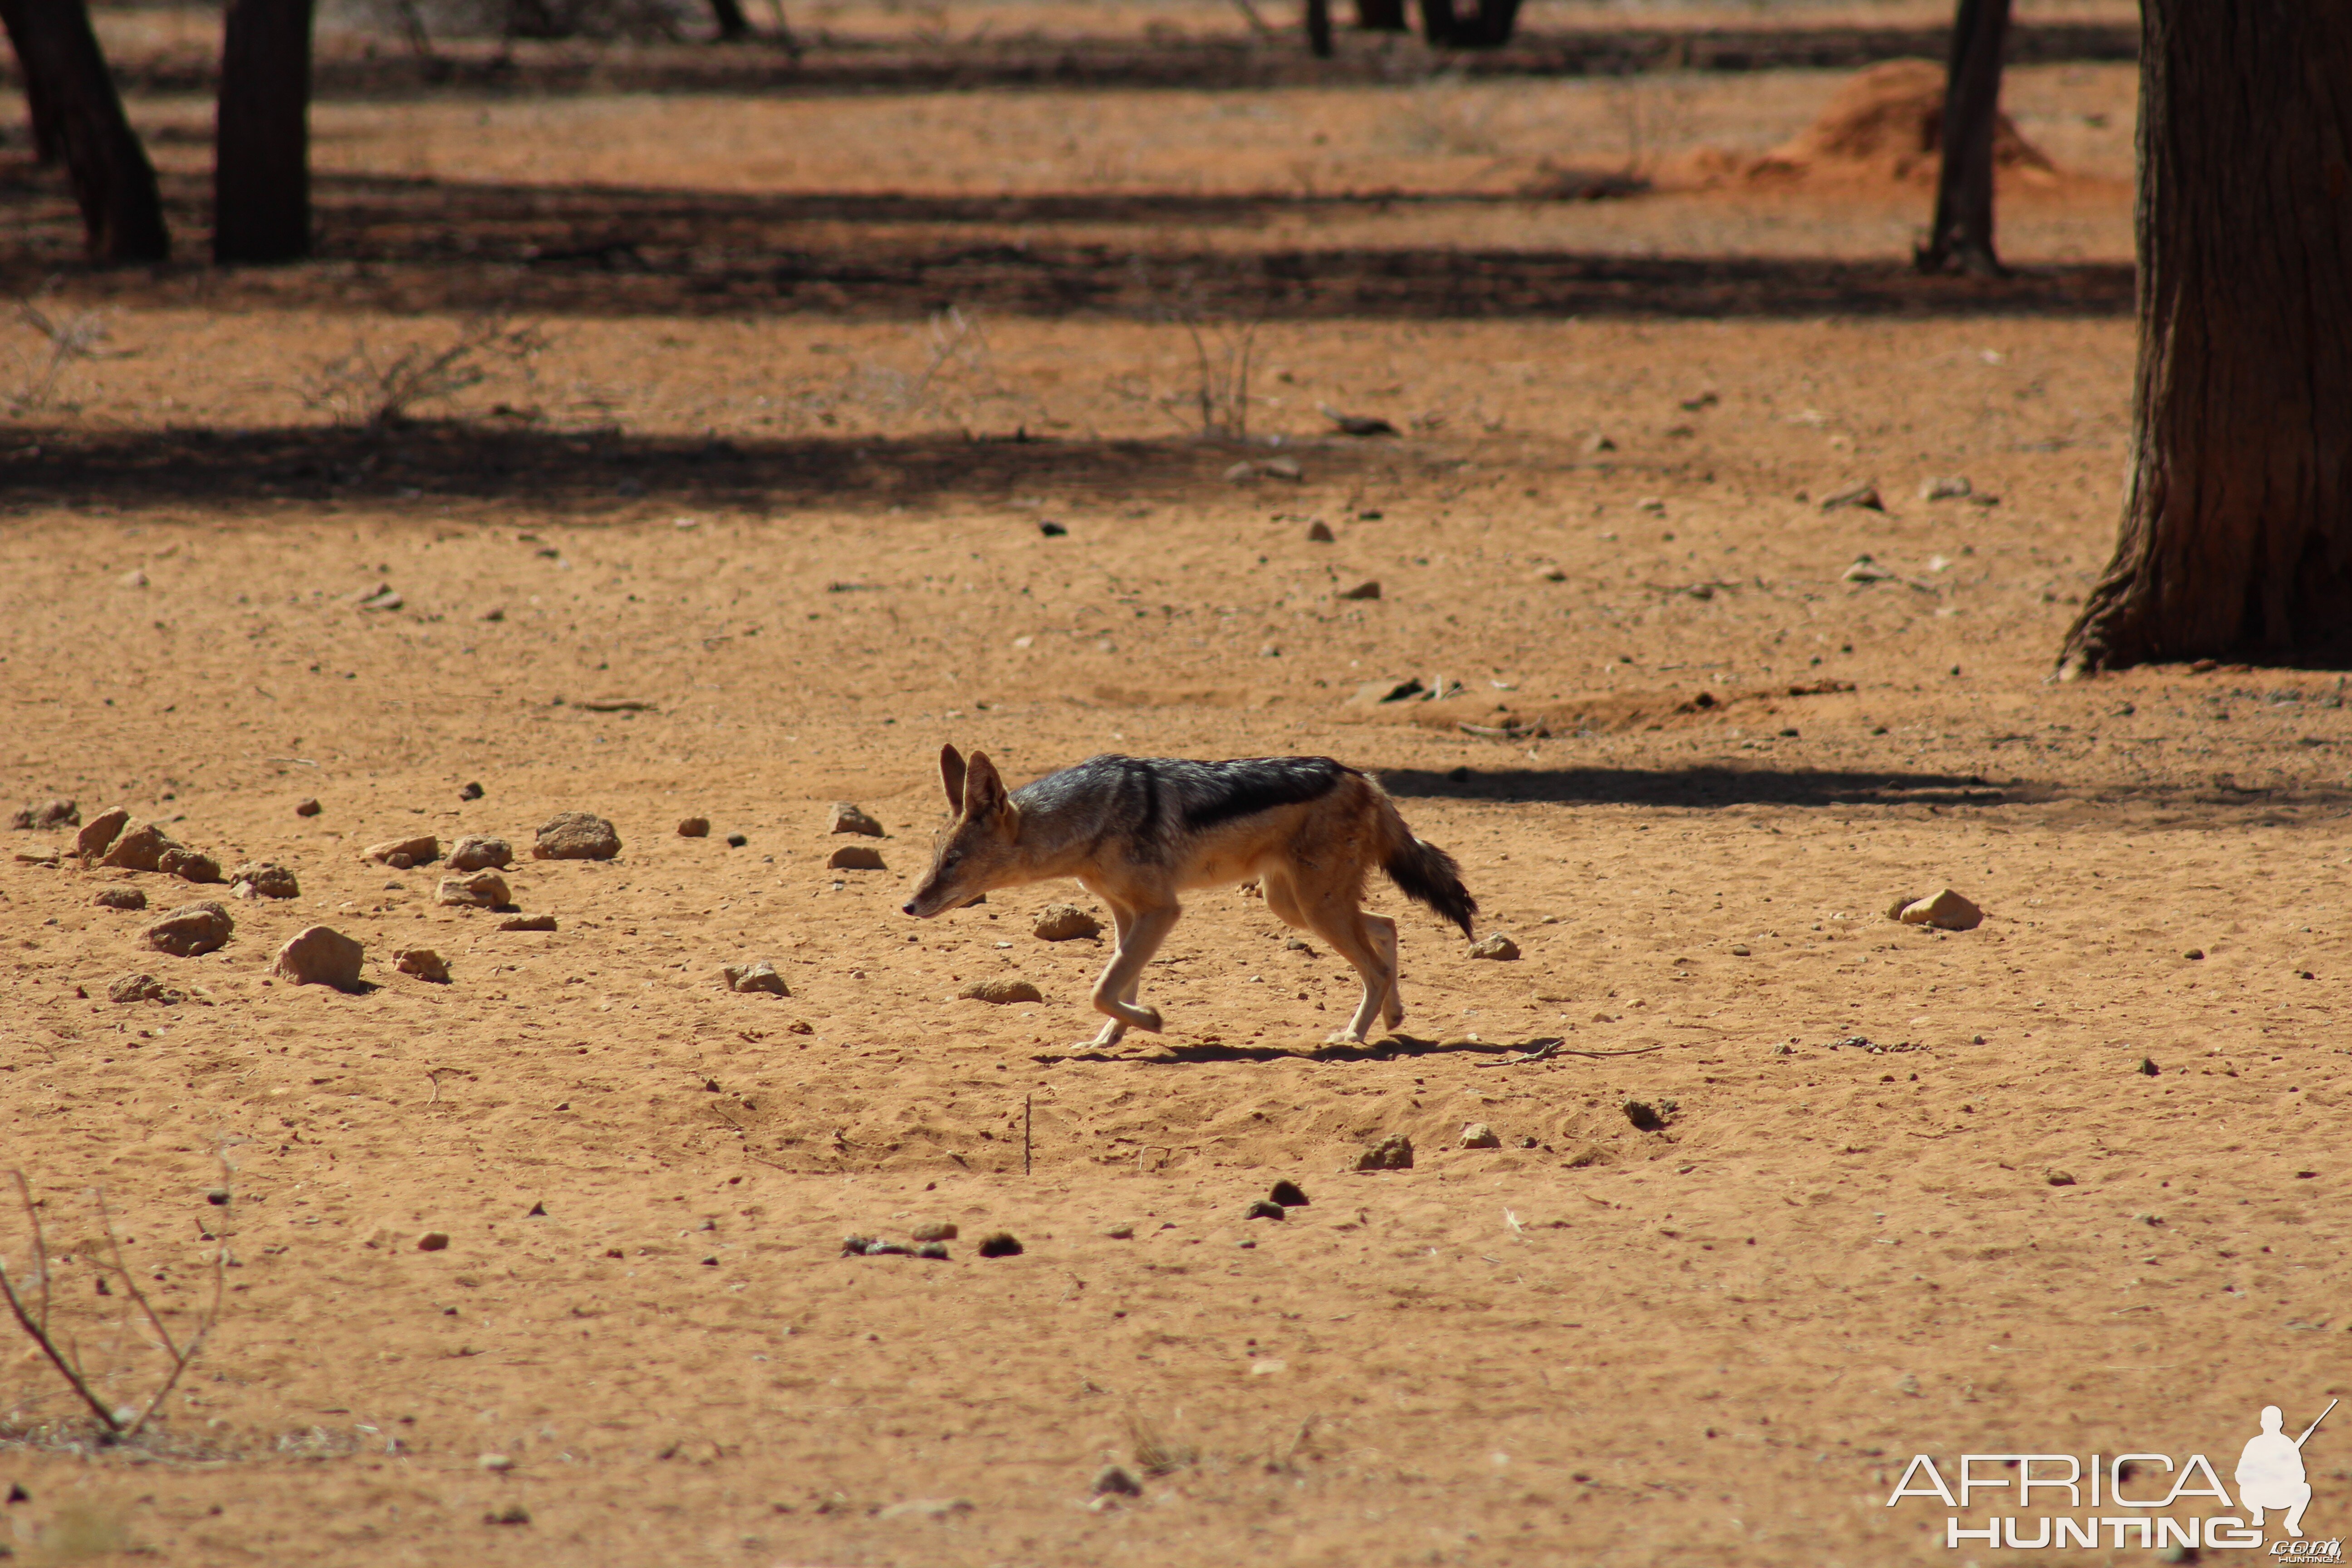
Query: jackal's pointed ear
[
  {"x": 983, "y": 791},
  {"x": 951, "y": 775}
]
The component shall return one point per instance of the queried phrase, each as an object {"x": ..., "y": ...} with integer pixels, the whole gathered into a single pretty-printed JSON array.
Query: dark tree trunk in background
[
  {"x": 1319, "y": 27},
  {"x": 48, "y": 146},
  {"x": 1487, "y": 27},
  {"x": 261, "y": 153},
  {"x": 732, "y": 26},
  {"x": 69, "y": 89},
  {"x": 2237, "y": 526},
  {"x": 1961, "y": 234},
  {"x": 1379, "y": 16}
]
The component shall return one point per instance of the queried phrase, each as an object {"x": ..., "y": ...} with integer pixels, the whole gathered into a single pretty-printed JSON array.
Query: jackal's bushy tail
[{"x": 1428, "y": 875}]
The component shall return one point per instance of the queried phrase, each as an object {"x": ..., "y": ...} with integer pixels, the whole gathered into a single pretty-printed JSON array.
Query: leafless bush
[
  {"x": 1655, "y": 115},
  {"x": 952, "y": 380},
  {"x": 28, "y": 1300},
  {"x": 639, "y": 20},
  {"x": 69, "y": 339},
  {"x": 1154, "y": 1453},
  {"x": 365, "y": 388}
]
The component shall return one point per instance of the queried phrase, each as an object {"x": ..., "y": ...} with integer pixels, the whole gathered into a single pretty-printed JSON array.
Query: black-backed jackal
[{"x": 1137, "y": 831}]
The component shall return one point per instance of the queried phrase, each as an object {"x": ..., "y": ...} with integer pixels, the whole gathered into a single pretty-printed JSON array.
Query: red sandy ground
[{"x": 1714, "y": 1344}]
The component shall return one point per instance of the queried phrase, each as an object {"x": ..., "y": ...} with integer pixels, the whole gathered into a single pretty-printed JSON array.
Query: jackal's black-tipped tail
[{"x": 1428, "y": 875}]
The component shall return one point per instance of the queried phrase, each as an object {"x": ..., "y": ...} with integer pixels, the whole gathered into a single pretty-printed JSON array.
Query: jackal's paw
[{"x": 1343, "y": 1038}]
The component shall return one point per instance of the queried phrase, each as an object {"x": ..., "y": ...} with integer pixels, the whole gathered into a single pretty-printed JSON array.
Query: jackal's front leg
[{"x": 1139, "y": 937}]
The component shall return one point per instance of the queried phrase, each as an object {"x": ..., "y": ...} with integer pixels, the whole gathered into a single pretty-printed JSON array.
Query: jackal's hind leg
[
  {"x": 1382, "y": 932},
  {"x": 1349, "y": 931}
]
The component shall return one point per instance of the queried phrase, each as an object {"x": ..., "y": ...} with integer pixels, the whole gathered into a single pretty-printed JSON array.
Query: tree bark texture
[
  {"x": 2237, "y": 529},
  {"x": 262, "y": 150},
  {"x": 1379, "y": 16},
  {"x": 1488, "y": 27},
  {"x": 1961, "y": 234},
  {"x": 71, "y": 93}
]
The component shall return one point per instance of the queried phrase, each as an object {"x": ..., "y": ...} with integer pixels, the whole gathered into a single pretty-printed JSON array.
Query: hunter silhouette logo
[
  {"x": 2270, "y": 1478},
  {"x": 2269, "y": 1471}
]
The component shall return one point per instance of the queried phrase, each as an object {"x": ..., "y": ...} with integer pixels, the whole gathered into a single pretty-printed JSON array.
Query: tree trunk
[
  {"x": 1319, "y": 28},
  {"x": 1961, "y": 234},
  {"x": 48, "y": 145},
  {"x": 1379, "y": 16},
  {"x": 261, "y": 151},
  {"x": 2237, "y": 528},
  {"x": 734, "y": 28},
  {"x": 1437, "y": 22},
  {"x": 66, "y": 83},
  {"x": 1492, "y": 29}
]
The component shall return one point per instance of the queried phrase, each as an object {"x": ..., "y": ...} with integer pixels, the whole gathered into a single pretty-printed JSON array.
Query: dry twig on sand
[{"x": 31, "y": 1304}]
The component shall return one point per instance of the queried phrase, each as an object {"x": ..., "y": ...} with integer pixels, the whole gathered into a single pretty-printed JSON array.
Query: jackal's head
[{"x": 981, "y": 848}]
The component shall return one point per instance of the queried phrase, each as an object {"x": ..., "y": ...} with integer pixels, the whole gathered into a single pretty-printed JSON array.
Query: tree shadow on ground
[
  {"x": 1703, "y": 786},
  {"x": 407, "y": 245},
  {"x": 601, "y": 476},
  {"x": 1391, "y": 1047}
]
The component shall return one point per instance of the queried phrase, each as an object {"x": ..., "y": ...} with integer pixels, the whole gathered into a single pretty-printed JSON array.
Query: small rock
[
  {"x": 1289, "y": 1194},
  {"x": 1265, "y": 1208},
  {"x": 1645, "y": 1116},
  {"x": 529, "y": 922},
  {"x": 191, "y": 929},
  {"x": 577, "y": 836},
  {"x": 403, "y": 853},
  {"x": 694, "y": 827},
  {"x": 433, "y": 1241},
  {"x": 855, "y": 1246},
  {"x": 134, "y": 578},
  {"x": 307, "y": 806},
  {"x": 47, "y": 814},
  {"x": 98, "y": 834},
  {"x": 1597, "y": 443},
  {"x": 1000, "y": 1244},
  {"x": 141, "y": 849},
  {"x": 471, "y": 791},
  {"x": 1953, "y": 488},
  {"x": 1359, "y": 424},
  {"x": 2058, "y": 1178},
  {"x": 935, "y": 1250},
  {"x": 513, "y": 1513},
  {"x": 496, "y": 1462},
  {"x": 857, "y": 858},
  {"x": 131, "y": 988},
  {"x": 1065, "y": 923},
  {"x": 189, "y": 866},
  {"x": 888, "y": 1249},
  {"x": 1318, "y": 532},
  {"x": 321, "y": 956},
  {"x": 1863, "y": 495},
  {"x": 1368, "y": 589},
  {"x": 1495, "y": 944},
  {"x": 1001, "y": 991},
  {"x": 1282, "y": 468},
  {"x": 1653, "y": 505},
  {"x": 1947, "y": 910},
  {"x": 119, "y": 899},
  {"x": 1113, "y": 1480},
  {"x": 1294, "y": 944},
  {"x": 480, "y": 852},
  {"x": 1372, "y": 693},
  {"x": 482, "y": 891},
  {"x": 261, "y": 880},
  {"x": 385, "y": 598},
  {"x": 760, "y": 976},
  {"x": 423, "y": 962},
  {"x": 1478, "y": 1136},
  {"x": 736, "y": 841},
  {"x": 1551, "y": 574},
  {"x": 1120, "y": 1232},
  {"x": 1866, "y": 570},
  {"x": 936, "y": 1230},
  {"x": 848, "y": 819},
  {"x": 1052, "y": 529},
  {"x": 1390, "y": 1153},
  {"x": 2147, "y": 1067}
]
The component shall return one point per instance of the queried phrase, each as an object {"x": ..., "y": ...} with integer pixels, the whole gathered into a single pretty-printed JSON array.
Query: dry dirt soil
[{"x": 2063, "y": 1182}]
